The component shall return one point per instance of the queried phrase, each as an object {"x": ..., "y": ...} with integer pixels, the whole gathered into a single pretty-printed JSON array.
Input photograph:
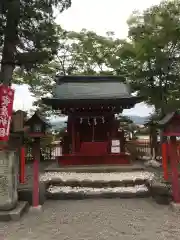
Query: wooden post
[
  {"x": 164, "y": 161},
  {"x": 22, "y": 165},
  {"x": 93, "y": 131},
  {"x": 78, "y": 142},
  {"x": 73, "y": 136},
  {"x": 174, "y": 169},
  {"x": 36, "y": 158}
]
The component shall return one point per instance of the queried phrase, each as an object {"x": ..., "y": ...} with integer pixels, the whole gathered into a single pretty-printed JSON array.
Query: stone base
[
  {"x": 81, "y": 196},
  {"x": 14, "y": 214},
  {"x": 96, "y": 168},
  {"x": 175, "y": 206},
  {"x": 35, "y": 209},
  {"x": 25, "y": 193}
]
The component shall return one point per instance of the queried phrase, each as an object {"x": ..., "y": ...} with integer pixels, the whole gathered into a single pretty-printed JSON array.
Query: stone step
[
  {"x": 96, "y": 184},
  {"x": 73, "y": 185},
  {"x": 96, "y": 168},
  {"x": 115, "y": 178},
  {"x": 16, "y": 213},
  {"x": 64, "y": 193}
]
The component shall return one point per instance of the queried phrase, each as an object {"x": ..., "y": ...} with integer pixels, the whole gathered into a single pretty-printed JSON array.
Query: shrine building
[{"x": 93, "y": 133}]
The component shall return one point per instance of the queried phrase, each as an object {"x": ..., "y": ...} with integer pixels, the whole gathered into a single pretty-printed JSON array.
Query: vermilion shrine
[
  {"x": 170, "y": 125},
  {"x": 93, "y": 133}
]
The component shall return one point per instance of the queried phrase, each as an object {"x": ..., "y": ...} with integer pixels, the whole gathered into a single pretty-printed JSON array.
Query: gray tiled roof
[
  {"x": 91, "y": 88},
  {"x": 167, "y": 118}
]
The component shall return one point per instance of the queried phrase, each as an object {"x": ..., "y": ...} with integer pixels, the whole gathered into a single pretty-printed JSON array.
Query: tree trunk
[
  {"x": 8, "y": 158},
  {"x": 10, "y": 41}
]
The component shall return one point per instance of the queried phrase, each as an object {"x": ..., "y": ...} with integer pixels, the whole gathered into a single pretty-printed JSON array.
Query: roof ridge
[{"x": 81, "y": 78}]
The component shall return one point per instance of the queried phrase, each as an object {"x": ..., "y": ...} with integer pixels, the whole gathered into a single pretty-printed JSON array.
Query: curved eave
[{"x": 127, "y": 102}]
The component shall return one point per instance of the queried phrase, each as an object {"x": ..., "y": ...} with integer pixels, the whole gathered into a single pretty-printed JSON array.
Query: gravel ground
[
  {"x": 111, "y": 219},
  {"x": 99, "y": 219}
]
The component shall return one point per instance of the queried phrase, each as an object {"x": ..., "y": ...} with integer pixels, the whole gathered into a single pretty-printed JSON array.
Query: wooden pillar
[
  {"x": 93, "y": 131},
  {"x": 22, "y": 165},
  {"x": 122, "y": 142},
  {"x": 164, "y": 160},
  {"x": 36, "y": 158},
  {"x": 174, "y": 169},
  {"x": 78, "y": 142},
  {"x": 73, "y": 135},
  {"x": 113, "y": 130}
]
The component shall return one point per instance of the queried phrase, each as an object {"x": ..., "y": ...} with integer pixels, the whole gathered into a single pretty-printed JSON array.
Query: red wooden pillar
[
  {"x": 174, "y": 169},
  {"x": 36, "y": 158},
  {"x": 164, "y": 148},
  {"x": 22, "y": 165},
  {"x": 93, "y": 131},
  {"x": 122, "y": 142},
  {"x": 73, "y": 135},
  {"x": 78, "y": 142}
]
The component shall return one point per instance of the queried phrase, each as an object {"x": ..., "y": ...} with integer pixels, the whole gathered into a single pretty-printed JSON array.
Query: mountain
[
  {"x": 59, "y": 123},
  {"x": 138, "y": 120}
]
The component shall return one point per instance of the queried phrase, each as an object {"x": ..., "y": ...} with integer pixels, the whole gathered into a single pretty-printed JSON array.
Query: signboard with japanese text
[
  {"x": 115, "y": 150},
  {"x": 6, "y": 107},
  {"x": 115, "y": 143},
  {"x": 8, "y": 180}
]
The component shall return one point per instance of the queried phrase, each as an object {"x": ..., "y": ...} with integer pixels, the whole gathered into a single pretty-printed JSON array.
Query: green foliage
[
  {"x": 28, "y": 34},
  {"x": 149, "y": 58},
  {"x": 84, "y": 53},
  {"x": 155, "y": 48}
]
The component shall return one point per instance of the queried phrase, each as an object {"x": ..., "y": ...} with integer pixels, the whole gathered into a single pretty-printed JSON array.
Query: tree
[
  {"x": 83, "y": 53},
  {"x": 28, "y": 38},
  {"x": 127, "y": 125},
  {"x": 149, "y": 59},
  {"x": 152, "y": 126},
  {"x": 153, "y": 55},
  {"x": 28, "y": 34}
]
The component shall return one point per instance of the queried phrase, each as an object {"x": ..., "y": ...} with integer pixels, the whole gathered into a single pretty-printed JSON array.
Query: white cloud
[
  {"x": 140, "y": 109},
  {"x": 99, "y": 16},
  {"x": 23, "y": 99}
]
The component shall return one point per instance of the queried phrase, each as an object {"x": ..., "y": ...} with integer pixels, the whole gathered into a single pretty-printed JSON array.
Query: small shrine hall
[{"x": 93, "y": 133}]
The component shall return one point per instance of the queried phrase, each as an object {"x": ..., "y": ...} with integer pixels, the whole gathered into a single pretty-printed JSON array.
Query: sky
[{"x": 99, "y": 16}]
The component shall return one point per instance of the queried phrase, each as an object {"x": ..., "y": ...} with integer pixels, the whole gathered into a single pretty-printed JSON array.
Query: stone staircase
[{"x": 96, "y": 182}]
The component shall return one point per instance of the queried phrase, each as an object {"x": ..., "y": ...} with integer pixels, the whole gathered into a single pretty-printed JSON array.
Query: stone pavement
[{"x": 111, "y": 219}]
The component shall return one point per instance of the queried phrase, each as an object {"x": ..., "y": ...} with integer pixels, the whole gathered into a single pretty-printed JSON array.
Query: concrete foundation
[
  {"x": 175, "y": 206},
  {"x": 35, "y": 209},
  {"x": 14, "y": 214}
]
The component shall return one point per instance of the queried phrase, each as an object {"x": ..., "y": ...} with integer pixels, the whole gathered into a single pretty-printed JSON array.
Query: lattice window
[{"x": 37, "y": 128}]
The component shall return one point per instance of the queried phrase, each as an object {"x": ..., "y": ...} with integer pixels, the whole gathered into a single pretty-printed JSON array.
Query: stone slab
[
  {"x": 96, "y": 168},
  {"x": 81, "y": 196},
  {"x": 25, "y": 193},
  {"x": 14, "y": 214},
  {"x": 175, "y": 207},
  {"x": 96, "y": 184},
  {"x": 8, "y": 180}
]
